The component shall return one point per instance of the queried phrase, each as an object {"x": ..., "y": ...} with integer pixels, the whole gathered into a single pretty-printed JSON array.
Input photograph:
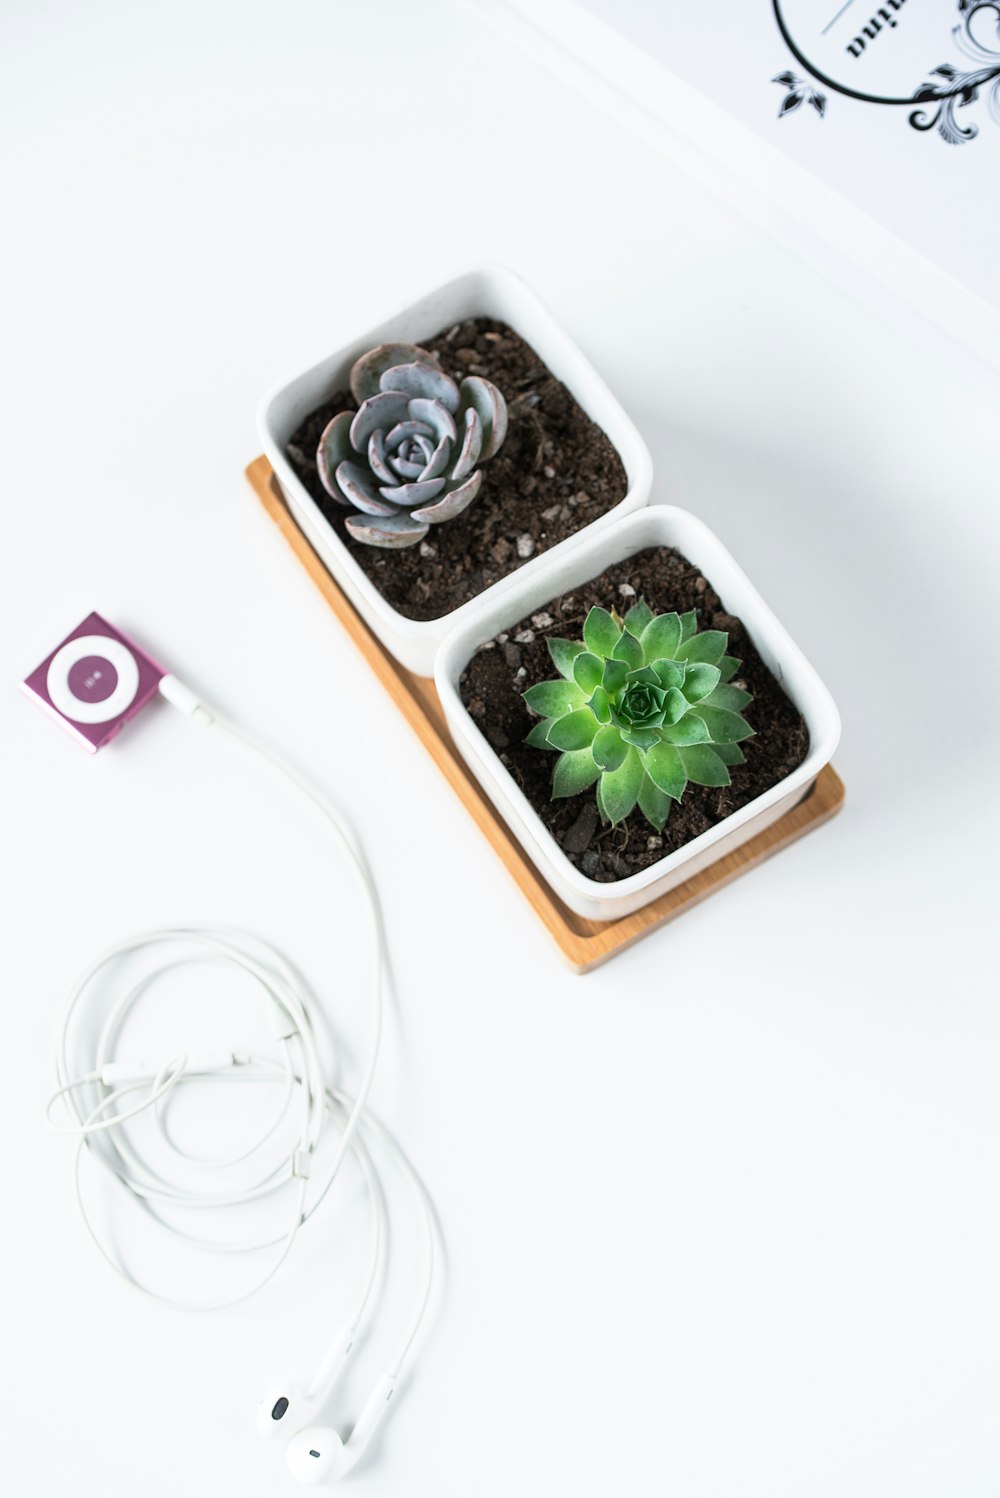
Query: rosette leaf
[
  {"x": 642, "y": 707},
  {"x": 408, "y": 457}
]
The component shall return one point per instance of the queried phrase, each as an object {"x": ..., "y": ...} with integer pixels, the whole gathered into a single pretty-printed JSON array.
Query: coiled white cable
[{"x": 110, "y": 1094}]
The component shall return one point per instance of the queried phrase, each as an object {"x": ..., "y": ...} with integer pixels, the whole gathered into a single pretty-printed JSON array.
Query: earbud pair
[{"x": 317, "y": 1453}]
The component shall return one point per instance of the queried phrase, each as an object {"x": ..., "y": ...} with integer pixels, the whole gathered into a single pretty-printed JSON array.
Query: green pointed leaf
[
  {"x": 734, "y": 699},
  {"x": 628, "y": 650},
  {"x": 704, "y": 766},
  {"x": 538, "y": 738},
  {"x": 588, "y": 671},
  {"x": 615, "y": 676},
  {"x": 653, "y": 803},
  {"x": 608, "y": 749},
  {"x": 620, "y": 788},
  {"x": 638, "y": 616},
  {"x": 641, "y": 738},
  {"x": 668, "y": 673},
  {"x": 574, "y": 731},
  {"x": 564, "y": 653},
  {"x": 600, "y": 705},
  {"x": 663, "y": 763},
  {"x": 600, "y": 803},
  {"x": 708, "y": 646},
  {"x": 600, "y": 633},
  {"x": 661, "y": 638},
  {"x": 699, "y": 680},
  {"x": 689, "y": 623},
  {"x": 690, "y": 730},
  {"x": 645, "y": 676},
  {"x": 728, "y": 667},
  {"x": 573, "y": 773},
  {"x": 551, "y": 699},
  {"x": 724, "y": 727},
  {"x": 730, "y": 754},
  {"x": 675, "y": 706}
]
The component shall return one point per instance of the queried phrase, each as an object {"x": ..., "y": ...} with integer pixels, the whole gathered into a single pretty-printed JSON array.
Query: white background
[{"x": 721, "y": 1218}]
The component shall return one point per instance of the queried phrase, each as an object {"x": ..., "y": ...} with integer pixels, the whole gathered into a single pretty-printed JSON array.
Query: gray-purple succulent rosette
[{"x": 408, "y": 458}]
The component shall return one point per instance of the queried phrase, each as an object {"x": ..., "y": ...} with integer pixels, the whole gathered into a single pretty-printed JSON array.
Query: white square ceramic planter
[
  {"x": 660, "y": 525},
  {"x": 487, "y": 292}
]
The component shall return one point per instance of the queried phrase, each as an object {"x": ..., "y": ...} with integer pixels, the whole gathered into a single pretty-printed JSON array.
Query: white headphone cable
[{"x": 98, "y": 1123}]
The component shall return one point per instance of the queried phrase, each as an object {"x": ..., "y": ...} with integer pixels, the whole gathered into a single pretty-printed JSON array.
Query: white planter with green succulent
[
  {"x": 640, "y": 707},
  {"x": 406, "y": 451}
]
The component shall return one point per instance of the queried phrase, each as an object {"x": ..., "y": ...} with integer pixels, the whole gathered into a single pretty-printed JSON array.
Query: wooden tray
[{"x": 584, "y": 943}]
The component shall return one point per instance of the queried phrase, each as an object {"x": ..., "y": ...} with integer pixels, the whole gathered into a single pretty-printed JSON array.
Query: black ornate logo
[{"x": 933, "y": 102}]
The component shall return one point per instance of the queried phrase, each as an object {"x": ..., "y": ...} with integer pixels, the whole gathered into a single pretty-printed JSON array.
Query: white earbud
[
  {"x": 288, "y": 1406},
  {"x": 317, "y": 1454}
]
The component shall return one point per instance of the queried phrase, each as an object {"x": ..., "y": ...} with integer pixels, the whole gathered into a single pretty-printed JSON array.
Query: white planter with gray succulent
[{"x": 407, "y": 458}]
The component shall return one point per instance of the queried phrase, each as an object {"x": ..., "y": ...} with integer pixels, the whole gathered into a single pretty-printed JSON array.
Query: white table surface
[{"x": 721, "y": 1218}]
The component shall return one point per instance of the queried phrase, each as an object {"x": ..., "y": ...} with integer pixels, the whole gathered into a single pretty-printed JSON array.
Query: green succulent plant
[{"x": 642, "y": 706}]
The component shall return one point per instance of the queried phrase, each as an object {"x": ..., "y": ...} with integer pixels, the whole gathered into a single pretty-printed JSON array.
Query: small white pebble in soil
[
  {"x": 525, "y": 546},
  {"x": 521, "y": 671},
  {"x": 654, "y": 842},
  {"x": 626, "y": 590},
  {"x": 551, "y": 512},
  {"x": 427, "y": 550},
  {"x": 542, "y": 621},
  {"x": 549, "y": 472},
  {"x": 524, "y": 636},
  {"x": 502, "y": 639}
]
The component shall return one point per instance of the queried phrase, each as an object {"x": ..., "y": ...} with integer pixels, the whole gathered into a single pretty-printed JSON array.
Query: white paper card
[
  {"x": 867, "y": 136},
  {"x": 925, "y": 168}
]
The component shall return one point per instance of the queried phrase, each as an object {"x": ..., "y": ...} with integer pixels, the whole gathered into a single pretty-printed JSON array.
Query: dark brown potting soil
[
  {"x": 555, "y": 472},
  {"x": 500, "y": 671}
]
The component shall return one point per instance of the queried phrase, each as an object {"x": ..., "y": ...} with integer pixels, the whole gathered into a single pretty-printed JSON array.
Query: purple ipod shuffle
[{"x": 94, "y": 682}]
